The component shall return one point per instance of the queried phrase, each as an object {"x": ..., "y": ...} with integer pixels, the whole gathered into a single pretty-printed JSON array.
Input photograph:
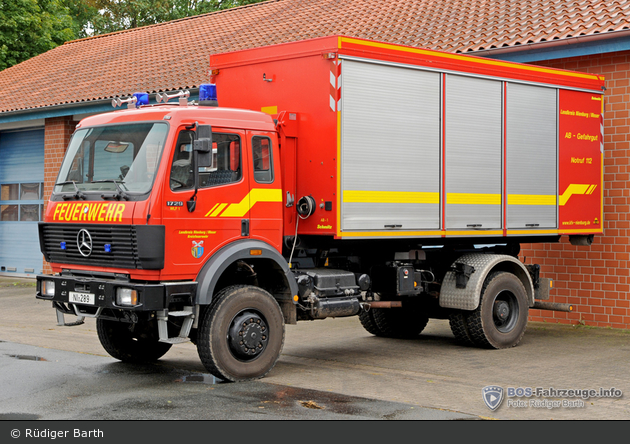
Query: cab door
[
  {"x": 192, "y": 237},
  {"x": 265, "y": 197}
]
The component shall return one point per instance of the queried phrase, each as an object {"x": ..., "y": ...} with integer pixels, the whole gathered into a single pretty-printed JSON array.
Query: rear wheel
[
  {"x": 500, "y": 319},
  {"x": 400, "y": 322},
  {"x": 403, "y": 323},
  {"x": 457, "y": 322},
  {"x": 241, "y": 334},
  {"x": 368, "y": 322},
  {"x": 135, "y": 343}
]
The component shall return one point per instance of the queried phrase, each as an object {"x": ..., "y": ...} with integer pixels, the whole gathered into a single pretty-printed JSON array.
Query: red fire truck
[{"x": 339, "y": 177}]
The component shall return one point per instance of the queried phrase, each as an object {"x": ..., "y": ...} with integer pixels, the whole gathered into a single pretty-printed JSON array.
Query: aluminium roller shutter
[
  {"x": 474, "y": 145},
  {"x": 531, "y": 156},
  {"x": 21, "y": 201},
  {"x": 390, "y": 148}
]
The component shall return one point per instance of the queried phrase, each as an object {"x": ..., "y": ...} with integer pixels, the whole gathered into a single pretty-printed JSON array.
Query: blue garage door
[{"x": 21, "y": 201}]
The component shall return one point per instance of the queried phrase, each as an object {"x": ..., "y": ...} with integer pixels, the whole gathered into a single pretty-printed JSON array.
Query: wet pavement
[
  {"x": 334, "y": 363},
  {"x": 47, "y": 384}
]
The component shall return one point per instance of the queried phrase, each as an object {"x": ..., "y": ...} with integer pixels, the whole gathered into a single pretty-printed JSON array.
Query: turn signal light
[
  {"x": 48, "y": 288},
  {"x": 126, "y": 296}
]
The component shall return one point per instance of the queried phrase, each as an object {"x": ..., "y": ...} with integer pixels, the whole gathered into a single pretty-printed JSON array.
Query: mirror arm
[
  {"x": 192, "y": 202},
  {"x": 202, "y": 143}
]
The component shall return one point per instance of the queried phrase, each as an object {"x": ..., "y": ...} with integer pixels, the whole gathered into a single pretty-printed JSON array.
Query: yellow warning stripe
[
  {"x": 338, "y": 195},
  {"x": 219, "y": 208},
  {"x": 576, "y": 189},
  {"x": 252, "y": 198},
  {"x": 407, "y": 197},
  {"x": 436, "y": 233},
  {"x": 583, "y": 230},
  {"x": 478, "y": 60},
  {"x": 415, "y": 197},
  {"x": 531, "y": 199},
  {"x": 536, "y": 231},
  {"x": 473, "y": 199},
  {"x": 269, "y": 109}
]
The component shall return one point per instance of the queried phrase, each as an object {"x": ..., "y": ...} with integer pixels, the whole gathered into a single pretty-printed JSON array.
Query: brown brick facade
[
  {"x": 597, "y": 278},
  {"x": 56, "y": 137}
]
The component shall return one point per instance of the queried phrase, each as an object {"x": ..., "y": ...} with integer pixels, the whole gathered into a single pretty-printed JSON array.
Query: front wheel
[
  {"x": 500, "y": 319},
  {"x": 134, "y": 343},
  {"x": 241, "y": 334}
]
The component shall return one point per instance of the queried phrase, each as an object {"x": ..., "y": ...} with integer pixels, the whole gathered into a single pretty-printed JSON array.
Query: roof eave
[
  {"x": 44, "y": 112},
  {"x": 551, "y": 45},
  {"x": 95, "y": 106}
]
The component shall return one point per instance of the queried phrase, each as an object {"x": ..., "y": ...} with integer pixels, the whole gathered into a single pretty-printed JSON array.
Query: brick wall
[
  {"x": 597, "y": 278},
  {"x": 56, "y": 137}
]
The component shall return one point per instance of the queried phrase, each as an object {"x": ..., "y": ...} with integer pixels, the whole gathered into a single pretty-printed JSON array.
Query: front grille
[{"x": 123, "y": 240}]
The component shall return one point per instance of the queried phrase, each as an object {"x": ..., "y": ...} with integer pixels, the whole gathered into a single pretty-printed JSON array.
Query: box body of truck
[
  {"x": 338, "y": 177},
  {"x": 407, "y": 142}
]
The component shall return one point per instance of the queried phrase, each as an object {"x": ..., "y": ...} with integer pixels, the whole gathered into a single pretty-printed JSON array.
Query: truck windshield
[{"x": 122, "y": 159}]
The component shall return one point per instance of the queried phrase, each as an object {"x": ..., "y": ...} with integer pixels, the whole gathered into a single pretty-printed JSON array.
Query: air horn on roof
[
  {"x": 137, "y": 99},
  {"x": 165, "y": 97}
]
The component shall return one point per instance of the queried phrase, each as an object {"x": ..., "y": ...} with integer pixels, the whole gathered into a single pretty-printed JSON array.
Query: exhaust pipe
[{"x": 553, "y": 306}]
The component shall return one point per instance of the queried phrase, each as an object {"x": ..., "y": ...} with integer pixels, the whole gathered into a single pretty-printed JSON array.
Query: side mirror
[{"x": 203, "y": 143}]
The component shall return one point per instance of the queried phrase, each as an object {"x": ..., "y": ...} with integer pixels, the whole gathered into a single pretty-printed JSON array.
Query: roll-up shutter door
[
  {"x": 21, "y": 201},
  {"x": 390, "y": 148},
  {"x": 531, "y": 136},
  {"x": 473, "y": 144}
]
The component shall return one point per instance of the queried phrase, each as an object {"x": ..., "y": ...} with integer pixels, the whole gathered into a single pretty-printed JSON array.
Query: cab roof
[{"x": 179, "y": 115}]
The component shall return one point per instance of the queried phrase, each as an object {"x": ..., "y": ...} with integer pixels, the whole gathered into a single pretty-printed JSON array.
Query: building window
[
  {"x": 9, "y": 213},
  {"x": 21, "y": 202},
  {"x": 30, "y": 191},
  {"x": 10, "y": 191}
]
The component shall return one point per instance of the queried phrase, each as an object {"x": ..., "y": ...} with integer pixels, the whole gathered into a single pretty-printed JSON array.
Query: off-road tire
[
  {"x": 133, "y": 343},
  {"x": 486, "y": 328},
  {"x": 401, "y": 323},
  {"x": 241, "y": 312},
  {"x": 368, "y": 323},
  {"x": 457, "y": 322}
]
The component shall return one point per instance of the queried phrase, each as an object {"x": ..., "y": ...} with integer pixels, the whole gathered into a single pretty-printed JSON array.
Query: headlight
[
  {"x": 48, "y": 288},
  {"x": 126, "y": 296}
]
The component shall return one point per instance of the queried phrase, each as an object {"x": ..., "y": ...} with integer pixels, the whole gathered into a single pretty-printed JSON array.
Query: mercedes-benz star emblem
[{"x": 84, "y": 242}]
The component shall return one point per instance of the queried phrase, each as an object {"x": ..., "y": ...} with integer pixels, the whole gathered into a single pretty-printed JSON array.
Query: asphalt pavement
[{"x": 329, "y": 369}]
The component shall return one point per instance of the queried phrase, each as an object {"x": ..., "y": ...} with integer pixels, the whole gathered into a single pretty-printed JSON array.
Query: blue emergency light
[
  {"x": 142, "y": 98},
  {"x": 108, "y": 248},
  {"x": 62, "y": 245},
  {"x": 208, "y": 94}
]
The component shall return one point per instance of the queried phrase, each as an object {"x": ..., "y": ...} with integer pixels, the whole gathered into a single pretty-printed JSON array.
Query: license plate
[{"x": 81, "y": 298}]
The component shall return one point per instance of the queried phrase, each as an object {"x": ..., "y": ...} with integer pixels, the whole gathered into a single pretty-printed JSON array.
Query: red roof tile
[{"x": 175, "y": 55}]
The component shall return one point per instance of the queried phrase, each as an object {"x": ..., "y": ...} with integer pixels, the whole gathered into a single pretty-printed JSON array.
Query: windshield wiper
[
  {"x": 121, "y": 193},
  {"x": 78, "y": 194}
]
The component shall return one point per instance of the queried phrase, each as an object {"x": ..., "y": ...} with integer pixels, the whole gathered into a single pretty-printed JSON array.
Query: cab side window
[
  {"x": 261, "y": 155},
  {"x": 181, "y": 169},
  {"x": 226, "y": 161}
]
